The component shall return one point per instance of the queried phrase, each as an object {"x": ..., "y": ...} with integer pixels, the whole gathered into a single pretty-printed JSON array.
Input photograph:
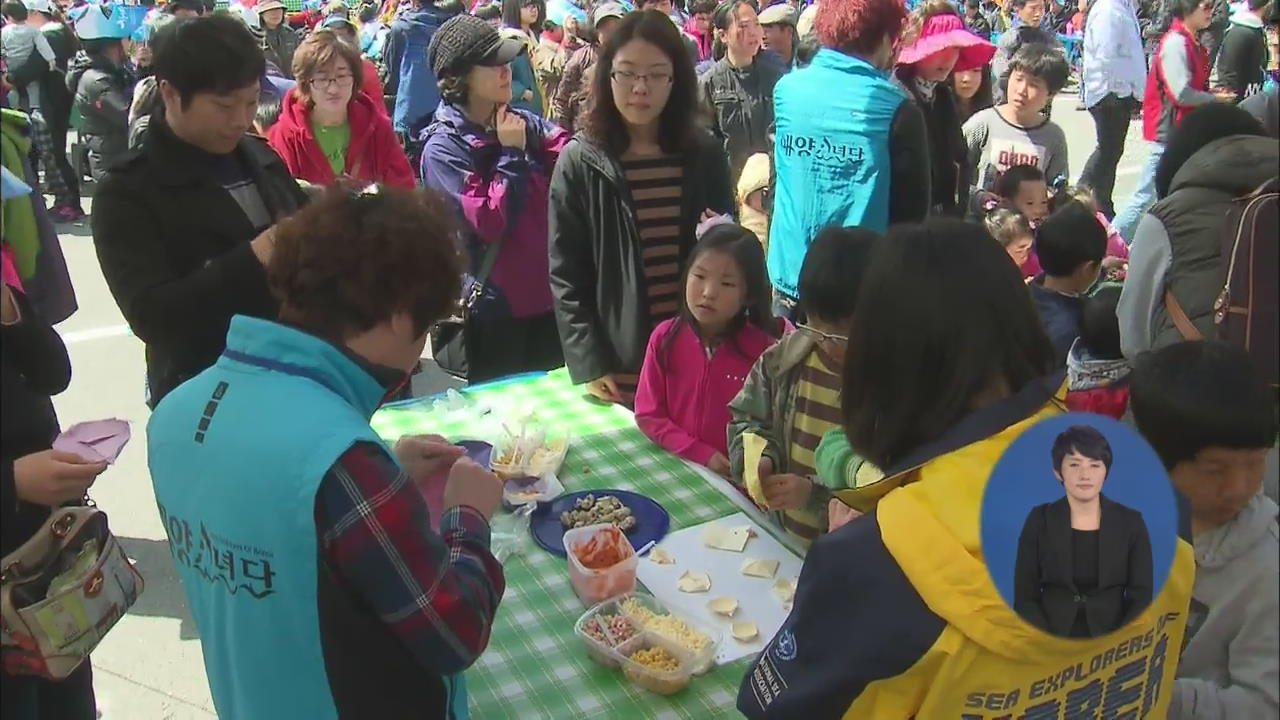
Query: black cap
[{"x": 465, "y": 41}]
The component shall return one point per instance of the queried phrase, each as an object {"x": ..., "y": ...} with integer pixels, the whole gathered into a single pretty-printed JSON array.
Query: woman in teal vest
[
  {"x": 863, "y": 161},
  {"x": 305, "y": 548}
]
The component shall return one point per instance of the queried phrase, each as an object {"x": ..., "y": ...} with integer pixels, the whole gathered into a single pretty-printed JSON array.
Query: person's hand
[
  {"x": 425, "y": 455},
  {"x": 52, "y": 477},
  {"x": 605, "y": 388},
  {"x": 8, "y": 306},
  {"x": 510, "y": 127},
  {"x": 527, "y": 96},
  {"x": 1112, "y": 262},
  {"x": 719, "y": 464},
  {"x": 786, "y": 491},
  {"x": 264, "y": 244},
  {"x": 1224, "y": 94},
  {"x": 839, "y": 515},
  {"x": 473, "y": 486}
]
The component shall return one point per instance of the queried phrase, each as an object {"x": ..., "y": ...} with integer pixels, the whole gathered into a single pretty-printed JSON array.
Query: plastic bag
[{"x": 509, "y": 533}]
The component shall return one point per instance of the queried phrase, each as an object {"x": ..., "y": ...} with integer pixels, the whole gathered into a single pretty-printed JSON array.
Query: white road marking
[{"x": 80, "y": 336}]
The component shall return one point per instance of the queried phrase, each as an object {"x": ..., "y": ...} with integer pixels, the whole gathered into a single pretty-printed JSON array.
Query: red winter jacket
[
  {"x": 374, "y": 154},
  {"x": 371, "y": 85}
]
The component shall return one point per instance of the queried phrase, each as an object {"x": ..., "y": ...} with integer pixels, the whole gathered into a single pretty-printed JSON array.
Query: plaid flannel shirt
[{"x": 437, "y": 592}]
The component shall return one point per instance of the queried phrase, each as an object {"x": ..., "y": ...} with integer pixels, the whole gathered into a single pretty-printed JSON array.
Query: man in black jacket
[
  {"x": 182, "y": 224},
  {"x": 1243, "y": 59}
]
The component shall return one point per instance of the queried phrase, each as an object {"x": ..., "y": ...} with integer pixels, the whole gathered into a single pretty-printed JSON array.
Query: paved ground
[{"x": 150, "y": 667}]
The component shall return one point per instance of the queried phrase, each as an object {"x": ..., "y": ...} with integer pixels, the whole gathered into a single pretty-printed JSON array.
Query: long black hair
[
  {"x": 678, "y": 121},
  {"x": 511, "y": 14},
  {"x": 942, "y": 317},
  {"x": 744, "y": 247}
]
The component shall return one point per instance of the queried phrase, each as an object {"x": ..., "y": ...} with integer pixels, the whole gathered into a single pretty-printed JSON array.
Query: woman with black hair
[
  {"x": 522, "y": 20},
  {"x": 626, "y": 197},
  {"x": 941, "y": 43},
  {"x": 737, "y": 91},
  {"x": 1083, "y": 567},
  {"x": 895, "y": 615},
  {"x": 972, "y": 91}
]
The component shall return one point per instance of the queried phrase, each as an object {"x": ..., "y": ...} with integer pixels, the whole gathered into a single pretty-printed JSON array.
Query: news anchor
[{"x": 1083, "y": 567}]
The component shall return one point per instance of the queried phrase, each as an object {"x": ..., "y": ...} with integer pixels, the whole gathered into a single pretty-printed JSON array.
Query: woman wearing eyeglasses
[
  {"x": 626, "y": 198},
  {"x": 328, "y": 128}
]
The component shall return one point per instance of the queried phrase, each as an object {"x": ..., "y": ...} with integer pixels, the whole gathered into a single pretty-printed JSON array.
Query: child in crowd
[
  {"x": 1012, "y": 230},
  {"x": 696, "y": 362},
  {"x": 1070, "y": 244},
  {"x": 1117, "y": 249},
  {"x": 1097, "y": 373},
  {"x": 1203, "y": 408},
  {"x": 753, "y": 206},
  {"x": 19, "y": 40},
  {"x": 1017, "y": 132},
  {"x": 268, "y": 113},
  {"x": 792, "y": 397},
  {"x": 1024, "y": 188}
]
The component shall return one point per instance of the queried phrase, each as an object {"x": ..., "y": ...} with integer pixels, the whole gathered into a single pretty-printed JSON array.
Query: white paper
[{"x": 757, "y": 602}]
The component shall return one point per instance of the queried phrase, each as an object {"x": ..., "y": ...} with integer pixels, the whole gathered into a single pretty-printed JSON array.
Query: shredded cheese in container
[{"x": 670, "y": 627}]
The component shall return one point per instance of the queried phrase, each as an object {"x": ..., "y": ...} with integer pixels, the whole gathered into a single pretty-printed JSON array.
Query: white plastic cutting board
[{"x": 756, "y": 600}]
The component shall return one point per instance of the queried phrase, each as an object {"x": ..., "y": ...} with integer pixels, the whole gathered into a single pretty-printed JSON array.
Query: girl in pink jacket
[{"x": 697, "y": 362}]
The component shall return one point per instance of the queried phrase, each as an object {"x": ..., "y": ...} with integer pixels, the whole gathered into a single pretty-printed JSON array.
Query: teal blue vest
[
  {"x": 237, "y": 454},
  {"x": 831, "y": 156}
]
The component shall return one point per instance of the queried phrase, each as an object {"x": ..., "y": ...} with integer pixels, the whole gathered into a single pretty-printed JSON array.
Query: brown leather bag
[{"x": 1247, "y": 309}]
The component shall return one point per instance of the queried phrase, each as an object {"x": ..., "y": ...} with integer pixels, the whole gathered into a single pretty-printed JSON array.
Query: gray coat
[
  {"x": 1231, "y": 665},
  {"x": 1178, "y": 244}
]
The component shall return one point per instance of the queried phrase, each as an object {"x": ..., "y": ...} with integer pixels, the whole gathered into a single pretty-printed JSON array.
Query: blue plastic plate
[{"x": 652, "y": 520}]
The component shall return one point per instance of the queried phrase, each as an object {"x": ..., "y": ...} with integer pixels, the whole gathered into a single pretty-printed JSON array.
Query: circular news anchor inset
[{"x": 1079, "y": 525}]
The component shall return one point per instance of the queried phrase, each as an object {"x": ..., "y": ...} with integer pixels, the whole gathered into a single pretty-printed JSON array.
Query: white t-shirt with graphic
[{"x": 995, "y": 145}]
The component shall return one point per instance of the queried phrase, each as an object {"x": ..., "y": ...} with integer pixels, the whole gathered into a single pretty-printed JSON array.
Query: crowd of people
[{"x": 849, "y": 229}]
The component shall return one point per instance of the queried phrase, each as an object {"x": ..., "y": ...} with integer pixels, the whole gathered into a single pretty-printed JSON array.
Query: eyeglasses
[
  {"x": 629, "y": 79},
  {"x": 328, "y": 82},
  {"x": 825, "y": 337}
]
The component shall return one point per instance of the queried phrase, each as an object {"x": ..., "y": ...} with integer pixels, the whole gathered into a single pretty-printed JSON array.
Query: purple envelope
[
  {"x": 94, "y": 441},
  {"x": 480, "y": 452}
]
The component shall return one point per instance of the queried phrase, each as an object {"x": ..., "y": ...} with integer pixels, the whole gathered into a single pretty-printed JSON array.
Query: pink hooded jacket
[{"x": 682, "y": 402}]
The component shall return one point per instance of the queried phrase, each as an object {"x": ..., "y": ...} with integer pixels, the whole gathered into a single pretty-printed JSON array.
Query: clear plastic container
[
  {"x": 647, "y": 606},
  {"x": 596, "y": 585},
  {"x": 662, "y": 682},
  {"x": 529, "y": 451},
  {"x": 605, "y": 631}
]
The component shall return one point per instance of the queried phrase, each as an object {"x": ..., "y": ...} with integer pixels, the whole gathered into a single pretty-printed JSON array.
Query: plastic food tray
[
  {"x": 544, "y": 464},
  {"x": 702, "y": 660},
  {"x": 606, "y": 653},
  {"x": 593, "y": 586},
  {"x": 662, "y": 682},
  {"x": 612, "y": 653}
]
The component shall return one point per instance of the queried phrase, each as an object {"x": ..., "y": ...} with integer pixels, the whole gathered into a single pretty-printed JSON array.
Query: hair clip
[{"x": 709, "y": 223}]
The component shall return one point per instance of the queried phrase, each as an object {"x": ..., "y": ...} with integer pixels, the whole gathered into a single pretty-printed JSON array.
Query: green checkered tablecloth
[{"x": 535, "y": 667}]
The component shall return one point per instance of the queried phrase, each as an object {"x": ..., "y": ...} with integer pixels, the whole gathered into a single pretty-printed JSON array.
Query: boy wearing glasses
[{"x": 791, "y": 398}]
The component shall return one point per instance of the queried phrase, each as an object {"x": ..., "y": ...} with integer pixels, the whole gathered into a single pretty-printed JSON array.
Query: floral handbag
[{"x": 61, "y": 592}]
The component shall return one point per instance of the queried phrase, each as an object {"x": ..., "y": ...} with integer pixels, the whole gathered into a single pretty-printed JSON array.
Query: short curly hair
[
  {"x": 859, "y": 26},
  {"x": 355, "y": 256}
]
